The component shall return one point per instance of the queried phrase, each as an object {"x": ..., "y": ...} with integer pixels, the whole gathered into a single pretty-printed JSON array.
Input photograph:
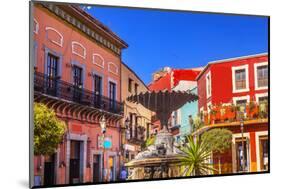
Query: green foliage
[
  {"x": 48, "y": 130},
  {"x": 218, "y": 140},
  {"x": 149, "y": 141},
  {"x": 197, "y": 122},
  {"x": 196, "y": 158}
]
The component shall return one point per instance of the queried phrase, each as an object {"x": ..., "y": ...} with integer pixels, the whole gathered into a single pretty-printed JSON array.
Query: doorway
[
  {"x": 241, "y": 150},
  {"x": 112, "y": 168},
  {"x": 74, "y": 169},
  {"x": 49, "y": 170},
  {"x": 97, "y": 168},
  {"x": 263, "y": 145}
]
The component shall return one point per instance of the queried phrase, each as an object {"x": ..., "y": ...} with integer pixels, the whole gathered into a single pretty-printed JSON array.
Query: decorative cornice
[{"x": 82, "y": 27}]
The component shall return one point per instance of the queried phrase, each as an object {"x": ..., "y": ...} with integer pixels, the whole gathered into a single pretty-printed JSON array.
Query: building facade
[
  {"x": 233, "y": 94},
  {"x": 137, "y": 119},
  {"x": 77, "y": 72}
]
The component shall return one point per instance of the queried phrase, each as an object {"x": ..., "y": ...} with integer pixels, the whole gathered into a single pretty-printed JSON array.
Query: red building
[
  {"x": 228, "y": 87},
  {"x": 77, "y": 63}
]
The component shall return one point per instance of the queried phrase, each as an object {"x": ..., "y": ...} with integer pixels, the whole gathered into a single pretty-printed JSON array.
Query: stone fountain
[{"x": 160, "y": 160}]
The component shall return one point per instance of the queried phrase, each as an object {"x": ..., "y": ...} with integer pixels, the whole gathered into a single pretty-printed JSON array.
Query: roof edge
[{"x": 228, "y": 60}]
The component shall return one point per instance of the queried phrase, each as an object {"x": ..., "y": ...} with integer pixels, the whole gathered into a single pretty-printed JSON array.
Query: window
[
  {"x": 261, "y": 75},
  {"x": 262, "y": 97},
  {"x": 97, "y": 90},
  {"x": 77, "y": 82},
  {"x": 130, "y": 82},
  {"x": 208, "y": 84},
  {"x": 240, "y": 81},
  {"x": 77, "y": 76},
  {"x": 52, "y": 73},
  {"x": 52, "y": 65},
  {"x": 98, "y": 84},
  {"x": 241, "y": 103},
  {"x": 241, "y": 100},
  {"x": 136, "y": 88},
  {"x": 112, "y": 94}
]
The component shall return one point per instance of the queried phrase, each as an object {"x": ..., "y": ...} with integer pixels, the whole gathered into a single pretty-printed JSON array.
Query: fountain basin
[{"x": 154, "y": 168}]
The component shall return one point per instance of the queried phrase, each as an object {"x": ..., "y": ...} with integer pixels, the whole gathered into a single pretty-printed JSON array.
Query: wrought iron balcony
[{"x": 60, "y": 89}]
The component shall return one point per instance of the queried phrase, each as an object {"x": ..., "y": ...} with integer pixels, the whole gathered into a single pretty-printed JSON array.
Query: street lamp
[
  {"x": 103, "y": 130},
  {"x": 242, "y": 135},
  {"x": 103, "y": 124}
]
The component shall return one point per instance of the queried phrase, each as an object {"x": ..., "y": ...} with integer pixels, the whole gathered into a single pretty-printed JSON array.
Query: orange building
[{"x": 77, "y": 72}]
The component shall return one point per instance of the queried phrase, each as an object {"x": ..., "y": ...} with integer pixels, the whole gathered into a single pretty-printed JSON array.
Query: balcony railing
[
  {"x": 232, "y": 113},
  {"x": 61, "y": 89}
]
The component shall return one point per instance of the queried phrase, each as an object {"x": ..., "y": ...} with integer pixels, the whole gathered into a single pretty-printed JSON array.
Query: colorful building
[
  {"x": 178, "y": 80},
  {"x": 137, "y": 119},
  {"x": 233, "y": 94},
  {"x": 77, "y": 72}
]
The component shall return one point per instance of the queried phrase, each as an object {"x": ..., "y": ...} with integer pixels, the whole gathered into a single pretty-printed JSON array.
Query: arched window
[
  {"x": 78, "y": 49},
  {"x": 98, "y": 60},
  {"x": 54, "y": 36},
  {"x": 35, "y": 26},
  {"x": 113, "y": 68}
]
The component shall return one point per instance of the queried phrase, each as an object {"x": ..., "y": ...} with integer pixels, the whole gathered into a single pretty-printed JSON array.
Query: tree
[
  {"x": 196, "y": 158},
  {"x": 149, "y": 141},
  {"x": 218, "y": 140},
  {"x": 48, "y": 130}
]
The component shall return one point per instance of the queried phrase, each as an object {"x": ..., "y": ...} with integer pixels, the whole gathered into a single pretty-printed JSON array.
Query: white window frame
[
  {"x": 235, "y": 99},
  {"x": 235, "y": 68},
  {"x": 208, "y": 83},
  {"x": 256, "y": 75},
  {"x": 260, "y": 95}
]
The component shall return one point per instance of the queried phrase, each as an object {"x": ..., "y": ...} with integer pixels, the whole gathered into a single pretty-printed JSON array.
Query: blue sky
[{"x": 181, "y": 39}]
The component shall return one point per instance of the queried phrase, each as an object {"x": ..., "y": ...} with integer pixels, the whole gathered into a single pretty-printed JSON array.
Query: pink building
[{"x": 77, "y": 62}]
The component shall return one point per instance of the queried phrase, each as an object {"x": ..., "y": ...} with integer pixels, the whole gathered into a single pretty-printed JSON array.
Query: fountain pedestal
[
  {"x": 162, "y": 159},
  {"x": 166, "y": 139}
]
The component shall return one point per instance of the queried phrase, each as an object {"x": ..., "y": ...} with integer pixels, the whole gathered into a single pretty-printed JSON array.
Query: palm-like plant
[{"x": 196, "y": 159}]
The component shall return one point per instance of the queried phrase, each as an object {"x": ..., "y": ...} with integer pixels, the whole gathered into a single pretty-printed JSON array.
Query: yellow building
[{"x": 137, "y": 119}]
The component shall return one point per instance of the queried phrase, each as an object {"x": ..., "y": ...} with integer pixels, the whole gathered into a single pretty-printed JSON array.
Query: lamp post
[
  {"x": 103, "y": 130},
  {"x": 242, "y": 111}
]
